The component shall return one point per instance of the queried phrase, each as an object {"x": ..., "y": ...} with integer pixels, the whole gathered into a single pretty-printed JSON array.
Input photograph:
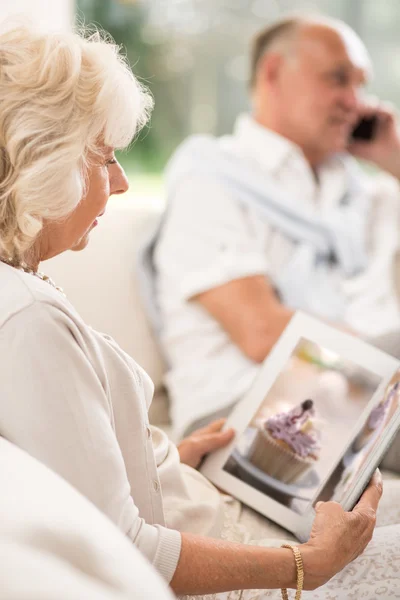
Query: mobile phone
[{"x": 365, "y": 129}]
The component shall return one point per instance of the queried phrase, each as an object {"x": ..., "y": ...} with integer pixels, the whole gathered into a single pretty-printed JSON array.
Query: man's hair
[{"x": 277, "y": 37}]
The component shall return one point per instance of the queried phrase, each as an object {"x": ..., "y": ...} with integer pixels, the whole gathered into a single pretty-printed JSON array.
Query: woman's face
[{"x": 105, "y": 177}]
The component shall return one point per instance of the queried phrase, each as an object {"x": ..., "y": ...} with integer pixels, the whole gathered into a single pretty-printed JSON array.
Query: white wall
[{"x": 50, "y": 14}]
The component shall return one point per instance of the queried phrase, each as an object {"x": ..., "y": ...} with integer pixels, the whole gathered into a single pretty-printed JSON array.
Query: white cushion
[{"x": 55, "y": 544}]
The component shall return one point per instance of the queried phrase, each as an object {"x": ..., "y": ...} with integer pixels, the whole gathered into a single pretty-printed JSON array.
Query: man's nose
[{"x": 352, "y": 98}]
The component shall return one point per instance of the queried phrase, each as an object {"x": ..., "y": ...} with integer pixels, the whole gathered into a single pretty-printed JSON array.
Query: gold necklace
[{"x": 24, "y": 267}]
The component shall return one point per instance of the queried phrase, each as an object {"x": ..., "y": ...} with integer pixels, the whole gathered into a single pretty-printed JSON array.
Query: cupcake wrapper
[{"x": 275, "y": 460}]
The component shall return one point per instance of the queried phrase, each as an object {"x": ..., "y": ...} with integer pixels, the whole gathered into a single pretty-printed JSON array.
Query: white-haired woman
[{"x": 72, "y": 398}]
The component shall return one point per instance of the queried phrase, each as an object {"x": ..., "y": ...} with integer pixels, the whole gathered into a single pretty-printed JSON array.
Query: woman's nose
[{"x": 119, "y": 183}]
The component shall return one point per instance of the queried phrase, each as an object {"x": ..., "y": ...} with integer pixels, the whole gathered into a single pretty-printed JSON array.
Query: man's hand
[
  {"x": 338, "y": 537},
  {"x": 384, "y": 149},
  {"x": 202, "y": 441}
]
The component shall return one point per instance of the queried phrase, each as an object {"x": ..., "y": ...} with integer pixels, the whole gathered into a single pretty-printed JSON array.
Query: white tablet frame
[{"x": 348, "y": 347}]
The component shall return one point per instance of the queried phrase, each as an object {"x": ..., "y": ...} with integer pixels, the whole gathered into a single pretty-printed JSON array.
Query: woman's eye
[{"x": 112, "y": 161}]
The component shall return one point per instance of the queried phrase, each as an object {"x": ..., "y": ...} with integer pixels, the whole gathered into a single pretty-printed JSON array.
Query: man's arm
[{"x": 249, "y": 312}]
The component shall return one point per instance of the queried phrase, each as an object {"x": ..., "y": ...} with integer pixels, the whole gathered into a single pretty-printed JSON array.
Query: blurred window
[{"x": 193, "y": 54}]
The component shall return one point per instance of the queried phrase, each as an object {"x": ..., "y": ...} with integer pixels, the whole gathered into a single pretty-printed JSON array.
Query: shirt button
[
  {"x": 156, "y": 486},
  {"x": 148, "y": 432}
]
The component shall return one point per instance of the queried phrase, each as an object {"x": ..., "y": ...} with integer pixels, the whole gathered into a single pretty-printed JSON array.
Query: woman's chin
[{"x": 81, "y": 244}]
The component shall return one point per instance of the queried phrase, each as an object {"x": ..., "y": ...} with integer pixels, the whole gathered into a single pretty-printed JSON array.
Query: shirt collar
[
  {"x": 273, "y": 151},
  {"x": 267, "y": 147}
]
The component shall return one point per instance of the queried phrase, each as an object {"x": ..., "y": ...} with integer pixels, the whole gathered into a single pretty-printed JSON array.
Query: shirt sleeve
[
  {"x": 55, "y": 406},
  {"x": 209, "y": 238},
  {"x": 384, "y": 218}
]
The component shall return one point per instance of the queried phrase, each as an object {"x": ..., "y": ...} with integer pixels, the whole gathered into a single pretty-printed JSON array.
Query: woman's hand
[
  {"x": 338, "y": 537},
  {"x": 202, "y": 441}
]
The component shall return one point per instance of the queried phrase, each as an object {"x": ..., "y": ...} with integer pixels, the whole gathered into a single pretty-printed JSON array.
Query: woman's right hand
[{"x": 338, "y": 537}]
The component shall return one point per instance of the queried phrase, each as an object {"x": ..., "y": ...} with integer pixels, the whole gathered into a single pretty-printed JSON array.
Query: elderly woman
[{"x": 70, "y": 397}]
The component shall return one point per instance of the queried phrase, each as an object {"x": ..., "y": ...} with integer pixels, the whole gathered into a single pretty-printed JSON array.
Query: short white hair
[{"x": 61, "y": 96}]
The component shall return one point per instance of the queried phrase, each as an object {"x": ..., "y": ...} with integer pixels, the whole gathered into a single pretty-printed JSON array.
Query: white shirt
[
  {"x": 209, "y": 239},
  {"x": 70, "y": 397},
  {"x": 56, "y": 544}
]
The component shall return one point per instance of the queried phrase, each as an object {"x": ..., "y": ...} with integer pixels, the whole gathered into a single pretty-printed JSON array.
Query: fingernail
[{"x": 318, "y": 505}]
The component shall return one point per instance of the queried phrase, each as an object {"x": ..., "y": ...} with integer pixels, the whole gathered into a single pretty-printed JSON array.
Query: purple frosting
[
  {"x": 287, "y": 427},
  {"x": 379, "y": 412}
]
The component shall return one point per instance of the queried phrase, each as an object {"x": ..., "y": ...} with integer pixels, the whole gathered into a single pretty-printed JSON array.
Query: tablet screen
[{"x": 300, "y": 445}]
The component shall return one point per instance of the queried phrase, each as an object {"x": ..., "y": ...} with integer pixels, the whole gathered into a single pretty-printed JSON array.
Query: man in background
[{"x": 276, "y": 217}]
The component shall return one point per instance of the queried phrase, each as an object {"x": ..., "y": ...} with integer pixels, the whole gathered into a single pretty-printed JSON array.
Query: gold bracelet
[{"x": 299, "y": 570}]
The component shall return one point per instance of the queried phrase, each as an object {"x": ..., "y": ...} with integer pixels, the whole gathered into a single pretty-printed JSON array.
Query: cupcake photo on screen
[
  {"x": 302, "y": 426},
  {"x": 287, "y": 444}
]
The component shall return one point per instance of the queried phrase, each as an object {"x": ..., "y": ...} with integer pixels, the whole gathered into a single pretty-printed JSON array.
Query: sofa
[
  {"x": 100, "y": 282},
  {"x": 55, "y": 544}
]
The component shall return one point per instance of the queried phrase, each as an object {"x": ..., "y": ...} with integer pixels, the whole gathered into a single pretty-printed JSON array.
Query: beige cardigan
[{"x": 73, "y": 399}]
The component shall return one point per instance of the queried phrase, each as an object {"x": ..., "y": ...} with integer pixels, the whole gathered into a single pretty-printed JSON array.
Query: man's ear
[{"x": 271, "y": 67}]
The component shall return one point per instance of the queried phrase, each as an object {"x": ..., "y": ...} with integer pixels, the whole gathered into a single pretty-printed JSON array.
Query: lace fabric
[{"x": 372, "y": 576}]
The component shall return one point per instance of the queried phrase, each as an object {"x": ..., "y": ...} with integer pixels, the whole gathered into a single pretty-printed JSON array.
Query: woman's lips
[{"x": 96, "y": 221}]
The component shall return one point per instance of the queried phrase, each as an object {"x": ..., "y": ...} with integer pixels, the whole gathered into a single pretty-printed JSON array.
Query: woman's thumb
[{"x": 213, "y": 441}]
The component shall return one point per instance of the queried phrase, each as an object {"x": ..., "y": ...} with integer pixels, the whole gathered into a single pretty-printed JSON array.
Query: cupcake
[
  {"x": 287, "y": 444},
  {"x": 376, "y": 418}
]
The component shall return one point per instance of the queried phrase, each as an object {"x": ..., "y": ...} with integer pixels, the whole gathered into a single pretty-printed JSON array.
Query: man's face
[{"x": 318, "y": 90}]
